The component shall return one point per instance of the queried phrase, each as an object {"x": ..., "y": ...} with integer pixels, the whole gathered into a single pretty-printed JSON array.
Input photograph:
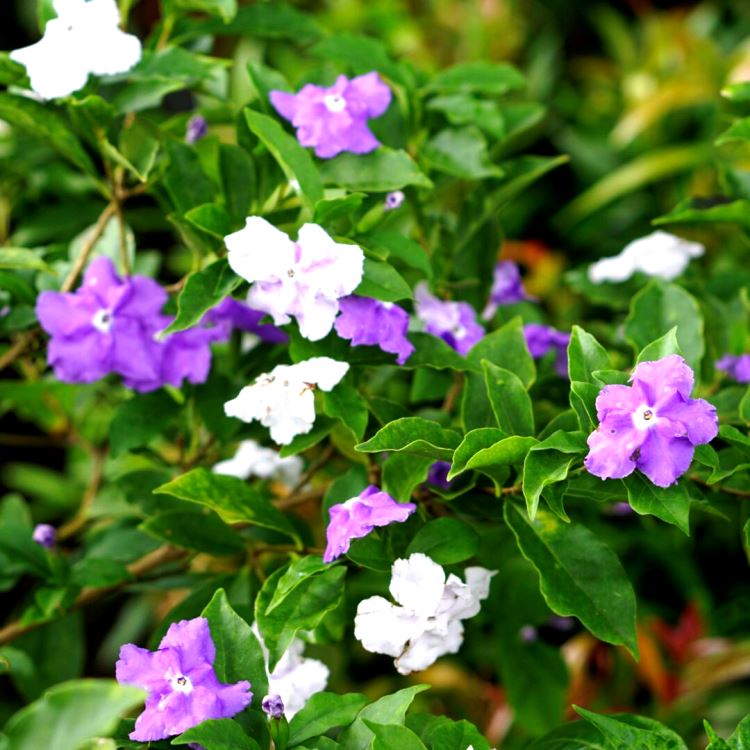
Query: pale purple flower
[
  {"x": 334, "y": 119},
  {"x": 507, "y": 288},
  {"x": 528, "y": 634},
  {"x": 438, "y": 475},
  {"x": 358, "y": 516},
  {"x": 394, "y": 200},
  {"x": 370, "y": 322},
  {"x": 45, "y": 535},
  {"x": 620, "y": 509},
  {"x": 454, "y": 322},
  {"x": 652, "y": 425},
  {"x": 182, "y": 687},
  {"x": 542, "y": 339},
  {"x": 230, "y": 313},
  {"x": 304, "y": 279},
  {"x": 273, "y": 706},
  {"x": 563, "y": 624},
  {"x": 197, "y": 128},
  {"x": 737, "y": 367}
]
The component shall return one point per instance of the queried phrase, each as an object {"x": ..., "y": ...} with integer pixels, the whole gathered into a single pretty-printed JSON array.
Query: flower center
[
  {"x": 334, "y": 102},
  {"x": 102, "y": 320},
  {"x": 644, "y": 417},
  {"x": 181, "y": 684}
]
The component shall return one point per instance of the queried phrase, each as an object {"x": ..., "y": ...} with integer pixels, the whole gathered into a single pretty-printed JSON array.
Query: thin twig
[
  {"x": 92, "y": 490},
  {"x": 315, "y": 467},
  {"x": 720, "y": 487},
  {"x": 292, "y": 500}
]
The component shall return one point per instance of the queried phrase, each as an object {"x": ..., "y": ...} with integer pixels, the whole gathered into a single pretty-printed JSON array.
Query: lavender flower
[
  {"x": 358, "y": 516},
  {"x": 45, "y": 535},
  {"x": 738, "y": 368},
  {"x": 230, "y": 313},
  {"x": 438, "y": 475},
  {"x": 394, "y": 200},
  {"x": 370, "y": 322},
  {"x": 507, "y": 288},
  {"x": 652, "y": 426},
  {"x": 304, "y": 279},
  {"x": 454, "y": 322},
  {"x": 273, "y": 706},
  {"x": 528, "y": 634},
  {"x": 541, "y": 339},
  {"x": 334, "y": 119},
  {"x": 182, "y": 687},
  {"x": 197, "y": 128}
]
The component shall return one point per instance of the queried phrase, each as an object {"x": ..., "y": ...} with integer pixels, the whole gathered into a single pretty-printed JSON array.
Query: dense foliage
[{"x": 273, "y": 383}]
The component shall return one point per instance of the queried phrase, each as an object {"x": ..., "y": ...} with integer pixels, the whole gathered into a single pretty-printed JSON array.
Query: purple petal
[
  {"x": 66, "y": 314},
  {"x": 659, "y": 378},
  {"x": 368, "y": 95},
  {"x": 612, "y": 447},
  {"x": 192, "y": 640},
  {"x": 284, "y": 103},
  {"x": 617, "y": 399},
  {"x": 83, "y": 359},
  {"x": 698, "y": 418},
  {"x": 142, "y": 668},
  {"x": 664, "y": 457}
]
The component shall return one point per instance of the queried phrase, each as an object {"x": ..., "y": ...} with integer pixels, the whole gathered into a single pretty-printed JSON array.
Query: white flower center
[
  {"x": 102, "y": 320},
  {"x": 334, "y": 102},
  {"x": 459, "y": 331},
  {"x": 644, "y": 417},
  {"x": 181, "y": 684}
]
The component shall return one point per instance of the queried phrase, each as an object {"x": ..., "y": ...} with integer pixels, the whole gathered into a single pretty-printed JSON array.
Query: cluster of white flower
[
  {"x": 426, "y": 622},
  {"x": 659, "y": 254},
  {"x": 254, "y": 460}
]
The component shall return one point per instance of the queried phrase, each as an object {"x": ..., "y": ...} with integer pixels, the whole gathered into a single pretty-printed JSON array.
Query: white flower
[
  {"x": 254, "y": 460},
  {"x": 295, "y": 678},
  {"x": 283, "y": 399},
  {"x": 660, "y": 254},
  {"x": 303, "y": 279},
  {"x": 426, "y": 622},
  {"x": 84, "y": 38}
]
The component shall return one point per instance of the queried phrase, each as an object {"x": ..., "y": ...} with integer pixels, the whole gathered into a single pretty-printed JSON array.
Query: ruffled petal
[
  {"x": 664, "y": 458},
  {"x": 417, "y": 583},
  {"x": 612, "y": 447},
  {"x": 659, "y": 378},
  {"x": 191, "y": 639}
]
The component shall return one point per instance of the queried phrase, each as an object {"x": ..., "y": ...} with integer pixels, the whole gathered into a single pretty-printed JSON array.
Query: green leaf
[
  {"x": 376, "y": 172},
  {"x": 583, "y": 400},
  {"x": 291, "y": 157},
  {"x": 482, "y": 77},
  {"x": 671, "y": 504},
  {"x": 621, "y": 734},
  {"x": 69, "y": 714},
  {"x": 734, "y": 212},
  {"x": 231, "y": 498},
  {"x": 506, "y": 348},
  {"x": 403, "y": 473},
  {"x": 506, "y": 452},
  {"x": 21, "y": 259},
  {"x": 238, "y": 180},
  {"x": 463, "y": 109},
  {"x": 203, "y": 290},
  {"x": 396, "y": 245},
  {"x": 662, "y": 347},
  {"x": 382, "y": 281},
  {"x": 295, "y": 574},
  {"x": 585, "y": 356},
  {"x": 740, "y": 739},
  {"x": 211, "y": 218},
  {"x": 238, "y": 652},
  {"x": 217, "y": 734},
  {"x": 390, "y": 709},
  {"x": 226, "y": 9},
  {"x": 431, "y": 351},
  {"x": 658, "y": 308},
  {"x": 461, "y": 152},
  {"x": 446, "y": 540},
  {"x": 200, "y": 530},
  {"x": 448, "y": 735},
  {"x": 549, "y": 462},
  {"x": 185, "y": 179},
  {"x": 738, "y": 131},
  {"x": 141, "y": 419},
  {"x": 43, "y": 122},
  {"x": 389, "y": 736},
  {"x": 510, "y": 402},
  {"x": 579, "y": 575},
  {"x": 323, "y": 712},
  {"x": 474, "y": 442},
  {"x": 139, "y": 146},
  {"x": 302, "y": 609},
  {"x": 346, "y": 404},
  {"x": 415, "y": 435}
]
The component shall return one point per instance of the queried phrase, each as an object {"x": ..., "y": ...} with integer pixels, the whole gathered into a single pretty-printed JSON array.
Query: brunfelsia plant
[{"x": 283, "y": 397}]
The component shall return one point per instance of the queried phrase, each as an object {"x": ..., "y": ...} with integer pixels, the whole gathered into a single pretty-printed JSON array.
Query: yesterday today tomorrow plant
[{"x": 316, "y": 436}]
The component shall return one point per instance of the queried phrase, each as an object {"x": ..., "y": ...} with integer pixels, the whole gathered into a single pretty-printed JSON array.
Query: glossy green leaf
[
  {"x": 378, "y": 171},
  {"x": 621, "y": 733},
  {"x": 585, "y": 356},
  {"x": 446, "y": 540},
  {"x": 460, "y": 152},
  {"x": 217, "y": 734},
  {"x": 421, "y": 437},
  {"x": 506, "y": 348},
  {"x": 482, "y": 77},
  {"x": 389, "y": 736},
  {"x": 323, "y": 712},
  {"x": 403, "y": 473},
  {"x": 473, "y": 443},
  {"x": 200, "y": 530},
  {"x": 382, "y": 281},
  {"x": 670, "y": 504},
  {"x": 141, "y": 419},
  {"x": 510, "y": 402}
]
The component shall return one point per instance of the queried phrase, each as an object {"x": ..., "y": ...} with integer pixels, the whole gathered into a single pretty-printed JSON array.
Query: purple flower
[
  {"x": 196, "y": 129},
  {"x": 107, "y": 325},
  {"x": 358, "y": 516},
  {"x": 454, "y": 322},
  {"x": 541, "y": 339},
  {"x": 528, "y": 634},
  {"x": 507, "y": 288},
  {"x": 438, "y": 475},
  {"x": 334, "y": 119},
  {"x": 273, "y": 706},
  {"x": 182, "y": 687},
  {"x": 737, "y": 368},
  {"x": 652, "y": 425},
  {"x": 394, "y": 200},
  {"x": 45, "y": 535},
  {"x": 231, "y": 313},
  {"x": 370, "y": 322}
]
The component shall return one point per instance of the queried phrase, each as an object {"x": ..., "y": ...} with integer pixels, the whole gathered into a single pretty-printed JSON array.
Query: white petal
[
  {"x": 260, "y": 252},
  {"x": 333, "y": 268},
  {"x": 478, "y": 580},
  {"x": 384, "y": 628},
  {"x": 430, "y": 646},
  {"x": 252, "y": 459},
  {"x": 315, "y": 316},
  {"x": 613, "y": 269},
  {"x": 325, "y": 372},
  {"x": 417, "y": 583},
  {"x": 116, "y": 52},
  {"x": 296, "y": 685}
]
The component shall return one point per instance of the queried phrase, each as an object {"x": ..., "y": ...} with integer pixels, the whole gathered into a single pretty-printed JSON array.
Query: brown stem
[
  {"x": 719, "y": 487},
  {"x": 453, "y": 392},
  {"x": 292, "y": 500}
]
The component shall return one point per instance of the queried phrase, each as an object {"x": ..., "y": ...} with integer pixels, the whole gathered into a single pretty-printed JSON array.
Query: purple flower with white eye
[
  {"x": 394, "y": 200},
  {"x": 507, "y": 288},
  {"x": 45, "y": 535},
  {"x": 182, "y": 687},
  {"x": 438, "y": 475},
  {"x": 738, "y": 368},
  {"x": 106, "y": 326},
  {"x": 334, "y": 119},
  {"x": 454, "y": 322},
  {"x": 370, "y": 322},
  {"x": 197, "y": 128},
  {"x": 542, "y": 339},
  {"x": 230, "y": 313},
  {"x": 652, "y": 425},
  {"x": 358, "y": 516},
  {"x": 273, "y": 706}
]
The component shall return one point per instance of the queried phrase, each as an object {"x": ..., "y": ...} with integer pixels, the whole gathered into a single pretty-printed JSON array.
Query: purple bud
[
  {"x": 564, "y": 624},
  {"x": 437, "y": 476},
  {"x": 197, "y": 128},
  {"x": 394, "y": 200},
  {"x": 528, "y": 633},
  {"x": 45, "y": 535},
  {"x": 620, "y": 509},
  {"x": 273, "y": 706}
]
